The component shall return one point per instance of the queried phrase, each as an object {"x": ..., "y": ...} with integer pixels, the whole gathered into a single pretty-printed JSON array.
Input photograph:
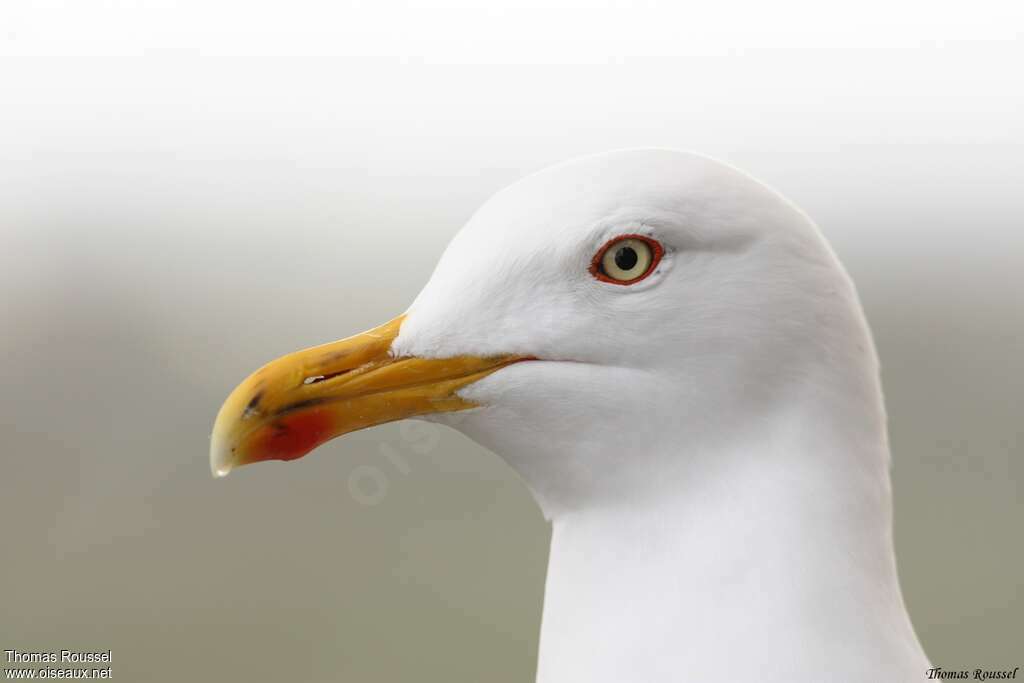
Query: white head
[
  {"x": 735, "y": 310},
  {"x": 746, "y": 309}
]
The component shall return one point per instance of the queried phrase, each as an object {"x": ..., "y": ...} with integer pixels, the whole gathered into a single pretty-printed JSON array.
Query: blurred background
[{"x": 188, "y": 190}]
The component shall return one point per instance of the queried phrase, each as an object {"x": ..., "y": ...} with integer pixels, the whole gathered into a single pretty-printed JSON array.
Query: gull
[{"x": 674, "y": 361}]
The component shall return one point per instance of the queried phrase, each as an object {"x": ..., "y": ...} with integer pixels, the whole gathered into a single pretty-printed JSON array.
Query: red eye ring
[{"x": 597, "y": 267}]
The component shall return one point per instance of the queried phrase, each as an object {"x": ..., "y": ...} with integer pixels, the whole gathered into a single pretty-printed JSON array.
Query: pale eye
[{"x": 627, "y": 259}]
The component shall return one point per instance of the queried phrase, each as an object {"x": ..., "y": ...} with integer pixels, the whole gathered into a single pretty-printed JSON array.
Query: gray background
[{"x": 172, "y": 216}]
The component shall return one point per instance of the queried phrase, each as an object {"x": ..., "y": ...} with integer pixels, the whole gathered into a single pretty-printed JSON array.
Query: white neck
[
  {"x": 777, "y": 565},
  {"x": 724, "y": 516}
]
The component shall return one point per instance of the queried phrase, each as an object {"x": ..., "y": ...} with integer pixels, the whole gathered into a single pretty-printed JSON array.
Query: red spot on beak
[{"x": 291, "y": 436}]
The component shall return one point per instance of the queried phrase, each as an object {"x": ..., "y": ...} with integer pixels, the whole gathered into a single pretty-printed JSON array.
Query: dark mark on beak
[{"x": 253, "y": 407}]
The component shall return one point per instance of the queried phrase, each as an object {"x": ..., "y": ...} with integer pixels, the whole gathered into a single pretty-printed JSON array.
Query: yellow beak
[{"x": 293, "y": 404}]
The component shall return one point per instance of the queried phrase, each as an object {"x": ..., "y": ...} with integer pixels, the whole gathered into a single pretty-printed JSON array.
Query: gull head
[{"x": 606, "y": 325}]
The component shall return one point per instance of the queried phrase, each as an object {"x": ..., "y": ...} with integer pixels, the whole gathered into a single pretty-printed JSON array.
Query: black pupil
[{"x": 626, "y": 258}]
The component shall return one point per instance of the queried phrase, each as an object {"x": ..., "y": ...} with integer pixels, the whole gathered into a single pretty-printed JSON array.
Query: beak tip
[{"x": 220, "y": 458}]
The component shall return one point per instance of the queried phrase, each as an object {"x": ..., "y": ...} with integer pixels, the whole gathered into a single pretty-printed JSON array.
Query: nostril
[{"x": 315, "y": 379}]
